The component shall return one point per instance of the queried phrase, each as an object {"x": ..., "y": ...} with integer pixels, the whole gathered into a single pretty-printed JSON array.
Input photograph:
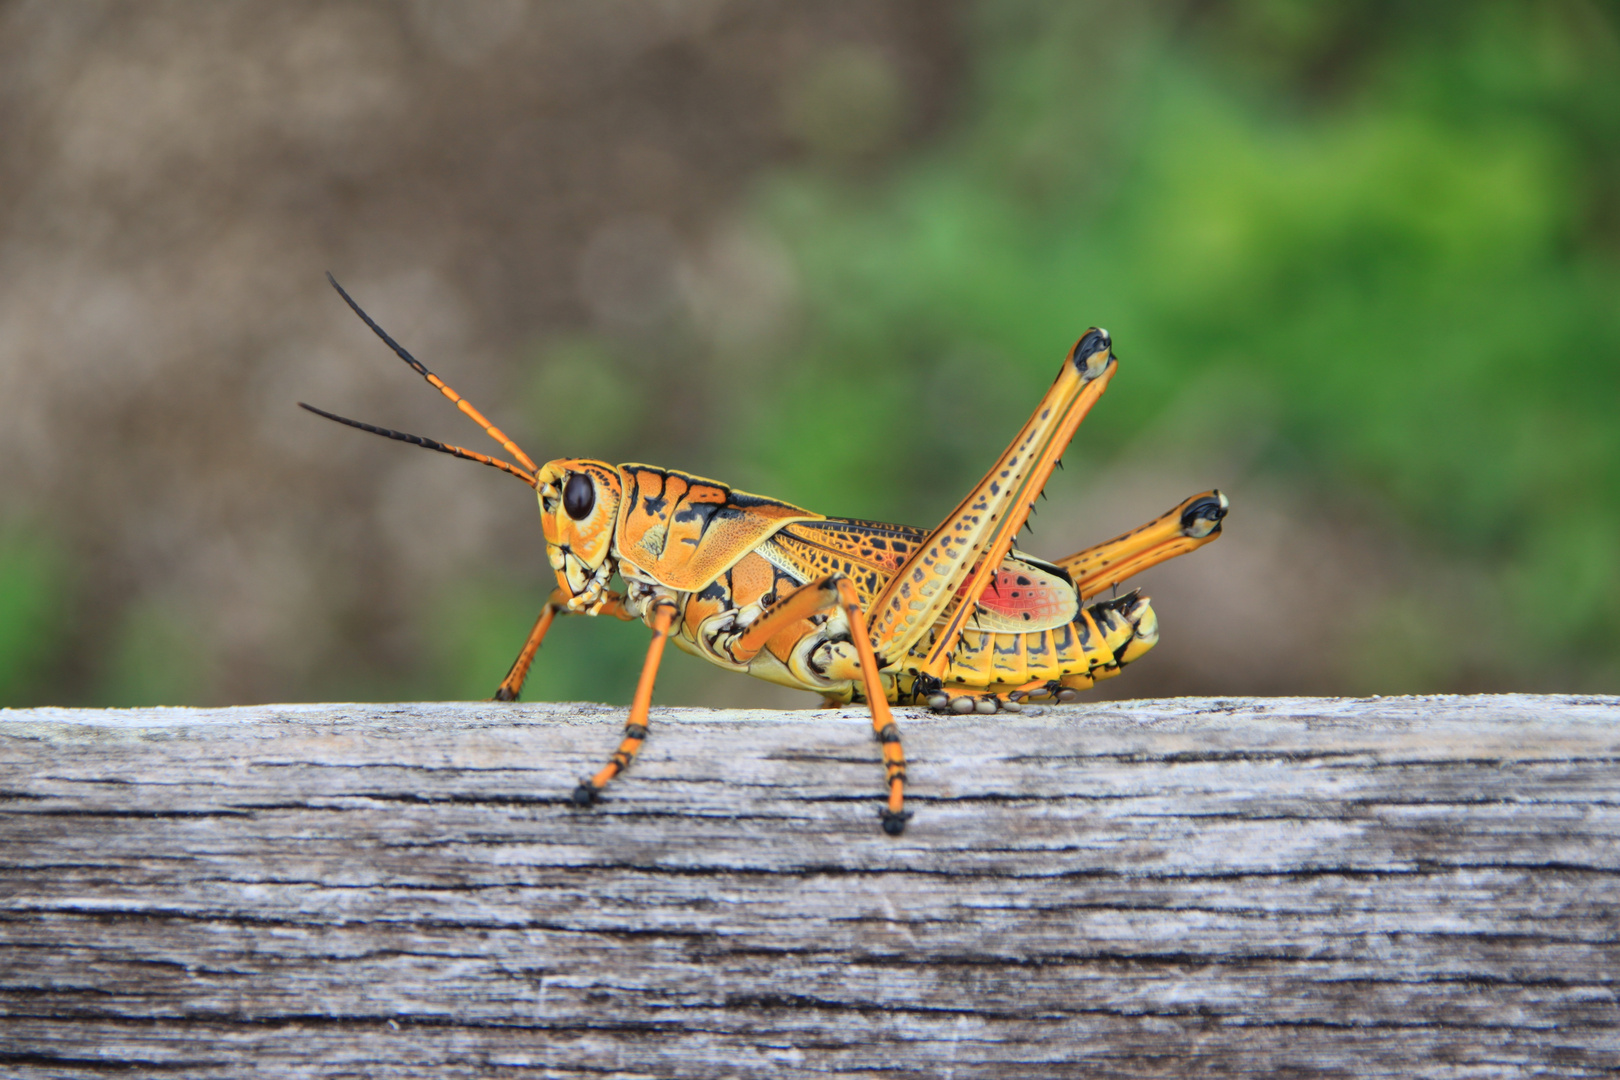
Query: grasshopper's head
[
  {"x": 579, "y": 509},
  {"x": 579, "y": 499}
]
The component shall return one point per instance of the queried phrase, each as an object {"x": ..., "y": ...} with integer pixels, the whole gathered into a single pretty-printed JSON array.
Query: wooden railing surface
[{"x": 1398, "y": 887}]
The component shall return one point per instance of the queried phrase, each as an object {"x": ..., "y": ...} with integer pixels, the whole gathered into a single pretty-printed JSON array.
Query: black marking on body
[
  {"x": 742, "y": 499},
  {"x": 695, "y": 511},
  {"x": 1082, "y": 630}
]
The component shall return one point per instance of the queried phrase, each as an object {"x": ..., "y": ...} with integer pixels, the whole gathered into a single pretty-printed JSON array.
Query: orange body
[{"x": 723, "y": 559}]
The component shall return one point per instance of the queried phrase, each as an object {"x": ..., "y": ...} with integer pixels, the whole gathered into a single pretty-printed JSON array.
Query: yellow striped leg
[
  {"x": 1191, "y": 525},
  {"x": 836, "y": 590},
  {"x": 968, "y": 546},
  {"x": 895, "y": 815}
]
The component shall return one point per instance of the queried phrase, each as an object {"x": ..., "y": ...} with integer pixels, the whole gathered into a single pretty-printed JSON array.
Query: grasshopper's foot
[
  {"x": 503, "y": 694},
  {"x": 1052, "y": 690},
  {"x": 585, "y": 795},
  {"x": 894, "y": 824},
  {"x": 943, "y": 702},
  {"x": 1056, "y": 691}
]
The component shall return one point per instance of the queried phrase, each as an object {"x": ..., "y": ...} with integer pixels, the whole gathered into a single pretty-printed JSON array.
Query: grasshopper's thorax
[{"x": 579, "y": 508}]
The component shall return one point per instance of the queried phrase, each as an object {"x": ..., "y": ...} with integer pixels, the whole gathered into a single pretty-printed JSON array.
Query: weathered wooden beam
[{"x": 1402, "y": 887}]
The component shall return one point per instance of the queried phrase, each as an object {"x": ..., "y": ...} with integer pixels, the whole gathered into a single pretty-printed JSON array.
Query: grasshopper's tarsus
[{"x": 954, "y": 619}]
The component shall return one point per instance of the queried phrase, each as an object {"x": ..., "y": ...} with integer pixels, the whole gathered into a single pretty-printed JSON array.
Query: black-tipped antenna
[
  {"x": 437, "y": 383},
  {"x": 417, "y": 440}
]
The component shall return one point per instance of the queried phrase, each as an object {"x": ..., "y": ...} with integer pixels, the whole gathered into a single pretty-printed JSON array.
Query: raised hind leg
[
  {"x": 1189, "y": 526},
  {"x": 938, "y": 587}
]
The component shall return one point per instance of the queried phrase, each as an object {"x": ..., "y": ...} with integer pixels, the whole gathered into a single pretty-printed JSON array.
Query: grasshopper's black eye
[{"x": 579, "y": 496}]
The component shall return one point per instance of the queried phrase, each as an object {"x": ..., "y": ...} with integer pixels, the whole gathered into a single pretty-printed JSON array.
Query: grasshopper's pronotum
[{"x": 858, "y": 611}]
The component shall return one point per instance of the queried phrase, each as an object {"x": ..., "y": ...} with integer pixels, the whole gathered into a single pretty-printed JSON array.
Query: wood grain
[{"x": 1401, "y": 887}]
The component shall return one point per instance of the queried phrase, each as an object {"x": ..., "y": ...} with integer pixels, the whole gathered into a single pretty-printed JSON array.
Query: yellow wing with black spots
[{"x": 683, "y": 531}]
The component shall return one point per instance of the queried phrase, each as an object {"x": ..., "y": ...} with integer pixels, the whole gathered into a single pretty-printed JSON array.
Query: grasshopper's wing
[
  {"x": 1026, "y": 594},
  {"x": 867, "y": 552},
  {"x": 962, "y": 554},
  {"x": 683, "y": 531}
]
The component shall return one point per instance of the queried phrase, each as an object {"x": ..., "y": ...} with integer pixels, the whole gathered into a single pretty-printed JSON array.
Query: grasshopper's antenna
[
  {"x": 417, "y": 440},
  {"x": 437, "y": 383}
]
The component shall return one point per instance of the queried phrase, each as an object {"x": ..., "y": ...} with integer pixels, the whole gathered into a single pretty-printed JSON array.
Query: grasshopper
[{"x": 955, "y": 618}]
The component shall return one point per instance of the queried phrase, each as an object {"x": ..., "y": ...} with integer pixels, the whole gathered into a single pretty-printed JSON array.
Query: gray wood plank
[{"x": 1412, "y": 887}]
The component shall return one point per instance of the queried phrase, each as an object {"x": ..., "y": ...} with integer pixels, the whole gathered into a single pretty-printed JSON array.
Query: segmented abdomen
[{"x": 1102, "y": 636}]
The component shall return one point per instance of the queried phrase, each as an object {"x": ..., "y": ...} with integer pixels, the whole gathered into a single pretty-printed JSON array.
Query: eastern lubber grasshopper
[{"x": 857, "y": 611}]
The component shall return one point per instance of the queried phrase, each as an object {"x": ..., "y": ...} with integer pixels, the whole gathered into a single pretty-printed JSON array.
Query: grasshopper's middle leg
[
  {"x": 635, "y": 727},
  {"x": 836, "y": 590}
]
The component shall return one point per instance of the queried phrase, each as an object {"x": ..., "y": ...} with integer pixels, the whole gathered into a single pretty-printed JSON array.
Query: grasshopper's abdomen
[
  {"x": 1030, "y": 627},
  {"x": 1101, "y": 639}
]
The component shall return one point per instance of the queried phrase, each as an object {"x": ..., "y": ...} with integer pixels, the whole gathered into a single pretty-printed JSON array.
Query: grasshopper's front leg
[
  {"x": 959, "y": 558},
  {"x": 612, "y": 604}
]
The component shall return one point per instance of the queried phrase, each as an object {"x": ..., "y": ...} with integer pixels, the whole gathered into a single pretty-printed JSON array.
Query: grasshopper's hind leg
[
  {"x": 1189, "y": 526},
  {"x": 938, "y": 587}
]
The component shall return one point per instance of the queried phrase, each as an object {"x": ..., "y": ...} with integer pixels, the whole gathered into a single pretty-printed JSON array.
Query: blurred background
[{"x": 1361, "y": 262}]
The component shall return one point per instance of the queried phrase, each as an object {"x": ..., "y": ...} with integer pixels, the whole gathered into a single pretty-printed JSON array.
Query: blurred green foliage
[
  {"x": 159, "y": 656},
  {"x": 33, "y": 591},
  {"x": 1398, "y": 224}
]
